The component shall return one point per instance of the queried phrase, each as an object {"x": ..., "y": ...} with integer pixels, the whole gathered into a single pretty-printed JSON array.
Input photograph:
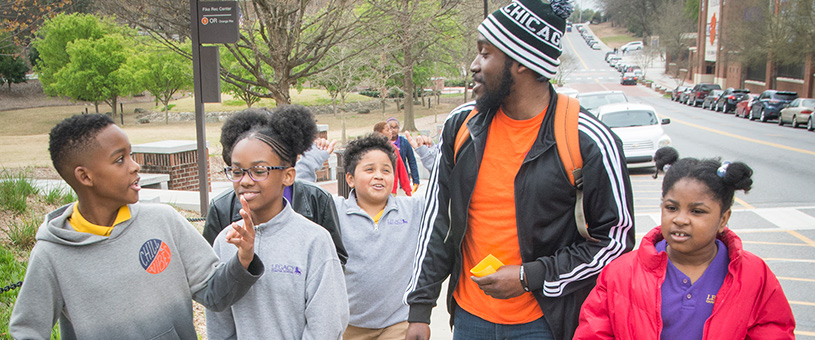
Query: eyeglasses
[{"x": 256, "y": 173}]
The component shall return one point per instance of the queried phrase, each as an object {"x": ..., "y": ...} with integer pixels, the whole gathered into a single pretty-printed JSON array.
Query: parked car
[
  {"x": 743, "y": 107},
  {"x": 640, "y": 129},
  {"x": 614, "y": 61},
  {"x": 592, "y": 100},
  {"x": 677, "y": 92},
  {"x": 628, "y": 78},
  {"x": 729, "y": 98},
  {"x": 684, "y": 95},
  {"x": 700, "y": 91},
  {"x": 710, "y": 99},
  {"x": 567, "y": 91},
  {"x": 632, "y": 46},
  {"x": 631, "y": 68},
  {"x": 810, "y": 124},
  {"x": 609, "y": 55},
  {"x": 769, "y": 104},
  {"x": 797, "y": 113}
]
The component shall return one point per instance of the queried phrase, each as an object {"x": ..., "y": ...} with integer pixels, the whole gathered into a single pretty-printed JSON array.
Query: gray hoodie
[
  {"x": 302, "y": 296},
  {"x": 137, "y": 283},
  {"x": 380, "y": 258}
]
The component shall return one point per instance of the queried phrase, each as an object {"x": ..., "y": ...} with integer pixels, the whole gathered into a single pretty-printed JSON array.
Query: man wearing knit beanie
[{"x": 501, "y": 190}]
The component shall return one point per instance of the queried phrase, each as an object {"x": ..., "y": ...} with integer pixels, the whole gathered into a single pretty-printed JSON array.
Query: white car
[
  {"x": 567, "y": 91},
  {"x": 640, "y": 129},
  {"x": 632, "y": 46},
  {"x": 592, "y": 100}
]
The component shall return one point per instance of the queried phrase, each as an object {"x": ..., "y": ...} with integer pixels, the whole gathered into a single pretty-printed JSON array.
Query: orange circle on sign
[{"x": 205, "y": 21}]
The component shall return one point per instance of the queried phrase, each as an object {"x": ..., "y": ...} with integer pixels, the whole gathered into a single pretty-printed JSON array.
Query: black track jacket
[{"x": 561, "y": 266}]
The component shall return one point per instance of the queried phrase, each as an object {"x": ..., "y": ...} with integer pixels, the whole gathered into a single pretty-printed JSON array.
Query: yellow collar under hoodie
[{"x": 82, "y": 225}]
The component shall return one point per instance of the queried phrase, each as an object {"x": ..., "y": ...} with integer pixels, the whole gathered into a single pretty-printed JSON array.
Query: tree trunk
[
  {"x": 334, "y": 107},
  {"x": 96, "y": 106},
  {"x": 342, "y": 115},
  {"x": 167, "y": 112},
  {"x": 407, "y": 85}
]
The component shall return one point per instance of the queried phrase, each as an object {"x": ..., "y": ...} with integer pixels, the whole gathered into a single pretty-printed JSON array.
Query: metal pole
[
  {"x": 203, "y": 184},
  {"x": 485, "y": 9}
]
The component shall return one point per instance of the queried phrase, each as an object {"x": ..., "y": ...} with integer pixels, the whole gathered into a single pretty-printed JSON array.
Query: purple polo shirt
[
  {"x": 686, "y": 307},
  {"x": 287, "y": 191}
]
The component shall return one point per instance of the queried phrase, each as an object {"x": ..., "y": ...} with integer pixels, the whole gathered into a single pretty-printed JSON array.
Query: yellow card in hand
[{"x": 487, "y": 266}]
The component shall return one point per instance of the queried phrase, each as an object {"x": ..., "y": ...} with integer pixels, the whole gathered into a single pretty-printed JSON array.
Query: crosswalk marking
[{"x": 787, "y": 218}]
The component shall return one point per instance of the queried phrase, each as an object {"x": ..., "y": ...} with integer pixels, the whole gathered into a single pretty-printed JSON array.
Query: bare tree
[
  {"x": 568, "y": 64},
  {"x": 291, "y": 37},
  {"x": 416, "y": 26}
]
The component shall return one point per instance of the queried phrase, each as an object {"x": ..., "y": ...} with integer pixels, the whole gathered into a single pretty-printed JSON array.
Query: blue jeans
[{"x": 470, "y": 327}]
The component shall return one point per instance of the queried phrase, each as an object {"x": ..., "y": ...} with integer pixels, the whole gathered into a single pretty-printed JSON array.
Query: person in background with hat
[{"x": 504, "y": 192}]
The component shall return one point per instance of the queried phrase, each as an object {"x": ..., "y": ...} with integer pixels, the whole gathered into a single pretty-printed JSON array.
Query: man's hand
[
  {"x": 324, "y": 144},
  {"x": 418, "y": 331},
  {"x": 503, "y": 284},
  {"x": 243, "y": 237}
]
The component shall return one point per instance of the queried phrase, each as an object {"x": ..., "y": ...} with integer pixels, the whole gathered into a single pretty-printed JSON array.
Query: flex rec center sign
[{"x": 218, "y": 22}]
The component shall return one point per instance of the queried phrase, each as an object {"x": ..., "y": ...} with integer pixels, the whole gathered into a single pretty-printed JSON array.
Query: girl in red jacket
[
  {"x": 690, "y": 277},
  {"x": 402, "y": 178}
]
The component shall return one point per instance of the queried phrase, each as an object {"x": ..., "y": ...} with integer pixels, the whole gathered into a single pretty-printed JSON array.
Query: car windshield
[
  {"x": 630, "y": 118},
  {"x": 710, "y": 87},
  {"x": 593, "y": 102}
]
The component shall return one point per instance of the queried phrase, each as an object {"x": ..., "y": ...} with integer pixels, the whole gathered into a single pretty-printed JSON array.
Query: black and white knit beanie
[{"x": 530, "y": 32}]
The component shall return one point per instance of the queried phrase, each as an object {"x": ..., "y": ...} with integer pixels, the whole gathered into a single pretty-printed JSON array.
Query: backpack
[{"x": 568, "y": 147}]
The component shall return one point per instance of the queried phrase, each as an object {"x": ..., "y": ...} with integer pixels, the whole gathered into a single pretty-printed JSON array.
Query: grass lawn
[{"x": 24, "y": 134}]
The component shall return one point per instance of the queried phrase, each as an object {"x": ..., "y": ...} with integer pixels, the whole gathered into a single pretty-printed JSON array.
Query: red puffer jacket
[{"x": 626, "y": 303}]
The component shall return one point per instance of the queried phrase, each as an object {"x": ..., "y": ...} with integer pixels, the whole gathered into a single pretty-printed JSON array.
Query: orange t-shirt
[{"x": 492, "y": 227}]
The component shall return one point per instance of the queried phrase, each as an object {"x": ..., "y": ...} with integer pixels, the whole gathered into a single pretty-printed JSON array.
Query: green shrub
[
  {"x": 21, "y": 234},
  {"x": 59, "y": 196},
  {"x": 11, "y": 271},
  {"x": 14, "y": 189}
]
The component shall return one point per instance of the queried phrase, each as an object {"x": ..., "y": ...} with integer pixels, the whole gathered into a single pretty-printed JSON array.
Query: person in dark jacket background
[
  {"x": 504, "y": 192},
  {"x": 307, "y": 199}
]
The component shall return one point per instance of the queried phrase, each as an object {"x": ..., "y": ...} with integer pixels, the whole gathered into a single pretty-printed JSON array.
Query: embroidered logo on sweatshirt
[
  {"x": 285, "y": 269},
  {"x": 397, "y": 221},
  {"x": 154, "y": 256}
]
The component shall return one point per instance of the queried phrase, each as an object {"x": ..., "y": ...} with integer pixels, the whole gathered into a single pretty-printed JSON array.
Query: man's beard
[{"x": 490, "y": 100}]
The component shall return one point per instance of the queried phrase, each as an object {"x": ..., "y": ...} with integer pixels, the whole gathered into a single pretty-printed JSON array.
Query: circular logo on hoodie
[{"x": 154, "y": 256}]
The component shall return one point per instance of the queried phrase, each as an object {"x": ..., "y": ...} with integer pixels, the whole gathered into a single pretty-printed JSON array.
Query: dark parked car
[
  {"x": 678, "y": 92},
  {"x": 700, "y": 91},
  {"x": 710, "y": 100},
  {"x": 729, "y": 98},
  {"x": 797, "y": 113},
  {"x": 628, "y": 79},
  {"x": 769, "y": 104}
]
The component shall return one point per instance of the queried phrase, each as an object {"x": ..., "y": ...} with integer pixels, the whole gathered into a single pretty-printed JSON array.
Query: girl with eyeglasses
[{"x": 302, "y": 295}]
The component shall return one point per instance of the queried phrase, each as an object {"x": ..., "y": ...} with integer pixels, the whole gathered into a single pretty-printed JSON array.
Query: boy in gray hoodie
[{"x": 106, "y": 267}]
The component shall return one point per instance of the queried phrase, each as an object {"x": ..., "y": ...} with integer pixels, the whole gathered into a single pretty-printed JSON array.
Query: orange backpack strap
[
  {"x": 462, "y": 134},
  {"x": 567, "y": 138}
]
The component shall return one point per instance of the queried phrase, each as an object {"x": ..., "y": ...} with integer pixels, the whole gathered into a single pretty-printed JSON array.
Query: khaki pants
[{"x": 393, "y": 332}]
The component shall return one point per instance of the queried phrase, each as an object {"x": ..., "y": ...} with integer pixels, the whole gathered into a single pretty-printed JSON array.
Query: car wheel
[
  {"x": 795, "y": 122},
  {"x": 780, "y": 121},
  {"x": 763, "y": 116},
  {"x": 810, "y": 126},
  {"x": 750, "y": 115},
  {"x": 703, "y": 105}
]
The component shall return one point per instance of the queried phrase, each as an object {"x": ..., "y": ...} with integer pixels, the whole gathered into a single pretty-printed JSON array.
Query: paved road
[{"x": 776, "y": 220}]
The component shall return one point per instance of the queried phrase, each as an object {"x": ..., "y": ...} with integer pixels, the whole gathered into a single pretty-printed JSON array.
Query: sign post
[{"x": 211, "y": 22}]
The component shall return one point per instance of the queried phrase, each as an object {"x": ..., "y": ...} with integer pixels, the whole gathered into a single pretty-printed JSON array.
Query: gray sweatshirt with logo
[
  {"x": 380, "y": 258},
  {"x": 301, "y": 296},
  {"x": 137, "y": 283}
]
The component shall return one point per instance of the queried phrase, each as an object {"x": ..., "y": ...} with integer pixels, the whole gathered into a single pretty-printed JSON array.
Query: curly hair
[
  {"x": 359, "y": 147},
  {"x": 239, "y": 123},
  {"x": 288, "y": 130},
  {"x": 722, "y": 179},
  {"x": 73, "y": 138}
]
